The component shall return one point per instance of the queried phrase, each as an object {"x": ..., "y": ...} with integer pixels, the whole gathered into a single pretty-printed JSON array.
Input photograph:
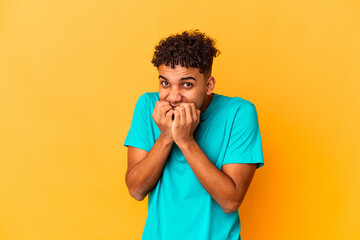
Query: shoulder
[
  {"x": 148, "y": 99},
  {"x": 245, "y": 114},
  {"x": 235, "y": 103},
  {"x": 238, "y": 110}
]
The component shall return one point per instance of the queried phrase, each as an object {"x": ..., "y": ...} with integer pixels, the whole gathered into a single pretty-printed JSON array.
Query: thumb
[{"x": 169, "y": 116}]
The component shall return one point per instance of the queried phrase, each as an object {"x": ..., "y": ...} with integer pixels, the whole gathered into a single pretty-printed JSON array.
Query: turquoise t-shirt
[{"x": 179, "y": 207}]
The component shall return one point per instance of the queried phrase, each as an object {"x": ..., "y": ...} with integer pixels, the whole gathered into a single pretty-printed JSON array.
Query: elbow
[
  {"x": 230, "y": 209},
  {"x": 135, "y": 192},
  {"x": 137, "y": 195},
  {"x": 231, "y": 206}
]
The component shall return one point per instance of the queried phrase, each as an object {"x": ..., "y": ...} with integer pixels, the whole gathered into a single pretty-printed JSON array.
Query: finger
[
  {"x": 182, "y": 113},
  {"x": 188, "y": 113},
  {"x": 169, "y": 116},
  {"x": 156, "y": 109},
  {"x": 176, "y": 122},
  {"x": 165, "y": 103},
  {"x": 164, "y": 108},
  {"x": 193, "y": 111}
]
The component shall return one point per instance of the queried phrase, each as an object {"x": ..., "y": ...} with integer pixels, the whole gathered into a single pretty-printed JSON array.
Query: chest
[{"x": 211, "y": 136}]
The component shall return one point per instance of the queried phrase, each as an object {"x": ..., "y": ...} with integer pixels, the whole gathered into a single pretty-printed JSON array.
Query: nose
[{"x": 174, "y": 97}]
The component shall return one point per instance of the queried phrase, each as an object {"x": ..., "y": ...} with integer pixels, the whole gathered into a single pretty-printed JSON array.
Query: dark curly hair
[{"x": 189, "y": 49}]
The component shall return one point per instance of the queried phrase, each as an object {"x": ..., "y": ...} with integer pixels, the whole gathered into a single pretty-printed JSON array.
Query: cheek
[
  {"x": 162, "y": 95},
  {"x": 199, "y": 104},
  {"x": 198, "y": 101}
]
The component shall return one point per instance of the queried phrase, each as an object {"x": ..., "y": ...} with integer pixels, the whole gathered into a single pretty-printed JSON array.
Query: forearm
[
  {"x": 143, "y": 176},
  {"x": 219, "y": 185}
]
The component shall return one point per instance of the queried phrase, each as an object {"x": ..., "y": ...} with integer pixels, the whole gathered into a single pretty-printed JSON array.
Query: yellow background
[{"x": 71, "y": 72}]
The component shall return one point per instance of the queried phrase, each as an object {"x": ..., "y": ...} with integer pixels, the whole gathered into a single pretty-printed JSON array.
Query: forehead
[{"x": 179, "y": 70}]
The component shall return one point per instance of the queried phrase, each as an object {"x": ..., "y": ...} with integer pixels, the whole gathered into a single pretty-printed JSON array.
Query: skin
[{"x": 185, "y": 99}]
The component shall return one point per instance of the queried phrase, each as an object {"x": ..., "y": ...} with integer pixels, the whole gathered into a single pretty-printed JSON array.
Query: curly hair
[{"x": 189, "y": 49}]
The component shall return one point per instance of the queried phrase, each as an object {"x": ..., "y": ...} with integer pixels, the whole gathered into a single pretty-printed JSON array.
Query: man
[{"x": 193, "y": 151}]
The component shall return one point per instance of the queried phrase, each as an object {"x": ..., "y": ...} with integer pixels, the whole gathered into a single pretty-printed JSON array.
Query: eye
[
  {"x": 165, "y": 83},
  {"x": 187, "y": 84}
]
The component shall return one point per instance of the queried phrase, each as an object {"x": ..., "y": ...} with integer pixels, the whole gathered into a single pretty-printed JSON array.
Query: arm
[
  {"x": 228, "y": 186},
  {"x": 145, "y": 168}
]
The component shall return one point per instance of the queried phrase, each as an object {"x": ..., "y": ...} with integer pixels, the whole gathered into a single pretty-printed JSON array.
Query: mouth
[{"x": 173, "y": 107}]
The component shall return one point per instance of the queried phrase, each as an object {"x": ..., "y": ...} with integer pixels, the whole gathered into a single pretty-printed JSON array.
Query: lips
[{"x": 174, "y": 106}]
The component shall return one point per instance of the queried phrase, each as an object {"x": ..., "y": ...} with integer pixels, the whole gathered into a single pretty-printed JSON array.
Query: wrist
[
  {"x": 166, "y": 139},
  {"x": 186, "y": 144}
]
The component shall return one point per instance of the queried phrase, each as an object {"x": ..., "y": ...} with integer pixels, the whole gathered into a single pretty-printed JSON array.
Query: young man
[{"x": 193, "y": 151}]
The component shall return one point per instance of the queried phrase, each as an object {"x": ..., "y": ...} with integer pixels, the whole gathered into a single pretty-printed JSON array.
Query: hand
[
  {"x": 162, "y": 116},
  {"x": 186, "y": 120}
]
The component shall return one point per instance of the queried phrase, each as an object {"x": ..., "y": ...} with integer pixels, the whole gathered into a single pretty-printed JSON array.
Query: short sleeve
[
  {"x": 244, "y": 145},
  {"x": 138, "y": 134}
]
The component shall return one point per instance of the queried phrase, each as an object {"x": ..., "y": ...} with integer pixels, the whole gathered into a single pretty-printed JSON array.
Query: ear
[{"x": 210, "y": 85}]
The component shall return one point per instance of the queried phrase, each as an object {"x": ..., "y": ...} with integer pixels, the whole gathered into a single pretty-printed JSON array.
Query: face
[{"x": 184, "y": 85}]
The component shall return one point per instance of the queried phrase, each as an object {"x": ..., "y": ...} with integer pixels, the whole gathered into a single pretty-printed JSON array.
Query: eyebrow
[{"x": 181, "y": 79}]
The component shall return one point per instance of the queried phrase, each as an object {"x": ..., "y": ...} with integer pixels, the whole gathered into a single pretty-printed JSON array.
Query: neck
[{"x": 206, "y": 103}]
